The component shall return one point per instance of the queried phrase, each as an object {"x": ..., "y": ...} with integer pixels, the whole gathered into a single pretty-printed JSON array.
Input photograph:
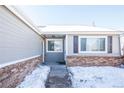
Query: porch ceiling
[{"x": 54, "y": 36}]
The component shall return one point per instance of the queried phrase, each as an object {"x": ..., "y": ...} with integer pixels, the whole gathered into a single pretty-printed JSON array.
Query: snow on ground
[
  {"x": 36, "y": 79},
  {"x": 97, "y": 77}
]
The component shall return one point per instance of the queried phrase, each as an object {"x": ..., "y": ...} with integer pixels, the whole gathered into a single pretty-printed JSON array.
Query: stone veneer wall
[
  {"x": 94, "y": 61},
  {"x": 12, "y": 75}
]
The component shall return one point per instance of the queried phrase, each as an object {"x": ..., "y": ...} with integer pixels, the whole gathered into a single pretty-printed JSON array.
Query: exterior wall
[
  {"x": 115, "y": 47},
  {"x": 94, "y": 61},
  {"x": 12, "y": 75},
  {"x": 17, "y": 40}
]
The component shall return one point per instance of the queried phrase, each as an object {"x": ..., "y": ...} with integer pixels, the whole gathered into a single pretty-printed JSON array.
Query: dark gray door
[{"x": 54, "y": 50}]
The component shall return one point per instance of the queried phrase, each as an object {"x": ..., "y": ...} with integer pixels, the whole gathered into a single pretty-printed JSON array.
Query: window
[
  {"x": 92, "y": 44},
  {"x": 54, "y": 45}
]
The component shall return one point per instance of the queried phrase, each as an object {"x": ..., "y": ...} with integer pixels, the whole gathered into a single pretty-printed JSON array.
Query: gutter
[
  {"x": 23, "y": 19},
  {"x": 120, "y": 45}
]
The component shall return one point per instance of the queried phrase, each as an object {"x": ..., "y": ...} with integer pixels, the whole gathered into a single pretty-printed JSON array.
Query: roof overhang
[
  {"x": 84, "y": 32},
  {"x": 78, "y": 30},
  {"x": 28, "y": 22}
]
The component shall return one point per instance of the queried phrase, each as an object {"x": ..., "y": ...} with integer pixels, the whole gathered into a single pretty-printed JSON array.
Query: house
[
  {"x": 23, "y": 46},
  {"x": 82, "y": 45}
]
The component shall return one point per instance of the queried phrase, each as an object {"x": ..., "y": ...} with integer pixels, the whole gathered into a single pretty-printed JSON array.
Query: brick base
[
  {"x": 12, "y": 75},
  {"x": 93, "y": 61}
]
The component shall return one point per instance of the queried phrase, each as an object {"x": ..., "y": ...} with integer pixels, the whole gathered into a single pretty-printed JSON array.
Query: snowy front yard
[
  {"x": 97, "y": 77},
  {"x": 36, "y": 79}
]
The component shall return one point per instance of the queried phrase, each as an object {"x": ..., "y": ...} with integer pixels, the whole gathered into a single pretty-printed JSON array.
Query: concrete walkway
[{"x": 58, "y": 77}]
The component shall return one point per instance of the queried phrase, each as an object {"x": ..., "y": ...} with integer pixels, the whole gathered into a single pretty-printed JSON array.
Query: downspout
[
  {"x": 120, "y": 45},
  {"x": 44, "y": 47},
  {"x": 43, "y": 50},
  {"x": 66, "y": 48}
]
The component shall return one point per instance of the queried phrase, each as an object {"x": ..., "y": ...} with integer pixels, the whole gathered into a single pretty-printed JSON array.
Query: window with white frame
[
  {"x": 92, "y": 44},
  {"x": 54, "y": 45}
]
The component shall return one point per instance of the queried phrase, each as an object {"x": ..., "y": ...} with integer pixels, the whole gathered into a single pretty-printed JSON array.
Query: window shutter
[
  {"x": 75, "y": 44},
  {"x": 109, "y": 44}
]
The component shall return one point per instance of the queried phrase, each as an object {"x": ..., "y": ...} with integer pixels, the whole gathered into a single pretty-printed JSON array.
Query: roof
[
  {"x": 54, "y": 28},
  {"x": 73, "y": 28},
  {"x": 23, "y": 18}
]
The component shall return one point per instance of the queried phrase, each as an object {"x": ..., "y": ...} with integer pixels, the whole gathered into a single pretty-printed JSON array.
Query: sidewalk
[{"x": 58, "y": 77}]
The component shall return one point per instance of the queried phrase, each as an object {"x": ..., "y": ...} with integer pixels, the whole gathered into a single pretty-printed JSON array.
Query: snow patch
[
  {"x": 96, "y": 77},
  {"x": 36, "y": 79}
]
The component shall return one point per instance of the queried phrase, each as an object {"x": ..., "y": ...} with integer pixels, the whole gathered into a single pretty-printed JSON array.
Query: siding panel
[{"x": 17, "y": 40}]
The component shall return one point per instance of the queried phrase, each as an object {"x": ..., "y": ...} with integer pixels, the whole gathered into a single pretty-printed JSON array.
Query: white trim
[
  {"x": 43, "y": 51},
  {"x": 83, "y": 32},
  {"x": 121, "y": 45},
  {"x": 17, "y": 61},
  {"x": 53, "y": 40},
  {"x": 92, "y": 51},
  {"x": 101, "y": 55}
]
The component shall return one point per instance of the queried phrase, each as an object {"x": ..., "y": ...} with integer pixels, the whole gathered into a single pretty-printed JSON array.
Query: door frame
[{"x": 46, "y": 47}]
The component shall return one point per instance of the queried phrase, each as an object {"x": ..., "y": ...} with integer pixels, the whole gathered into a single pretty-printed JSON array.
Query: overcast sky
[{"x": 102, "y": 16}]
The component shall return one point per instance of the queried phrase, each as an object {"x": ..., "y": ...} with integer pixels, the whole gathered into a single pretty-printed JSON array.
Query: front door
[{"x": 54, "y": 50}]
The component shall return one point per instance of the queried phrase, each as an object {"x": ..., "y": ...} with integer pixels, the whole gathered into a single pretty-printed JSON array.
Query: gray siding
[
  {"x": 54, "y": 57},
  {"x": 17, "y": 40}
]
